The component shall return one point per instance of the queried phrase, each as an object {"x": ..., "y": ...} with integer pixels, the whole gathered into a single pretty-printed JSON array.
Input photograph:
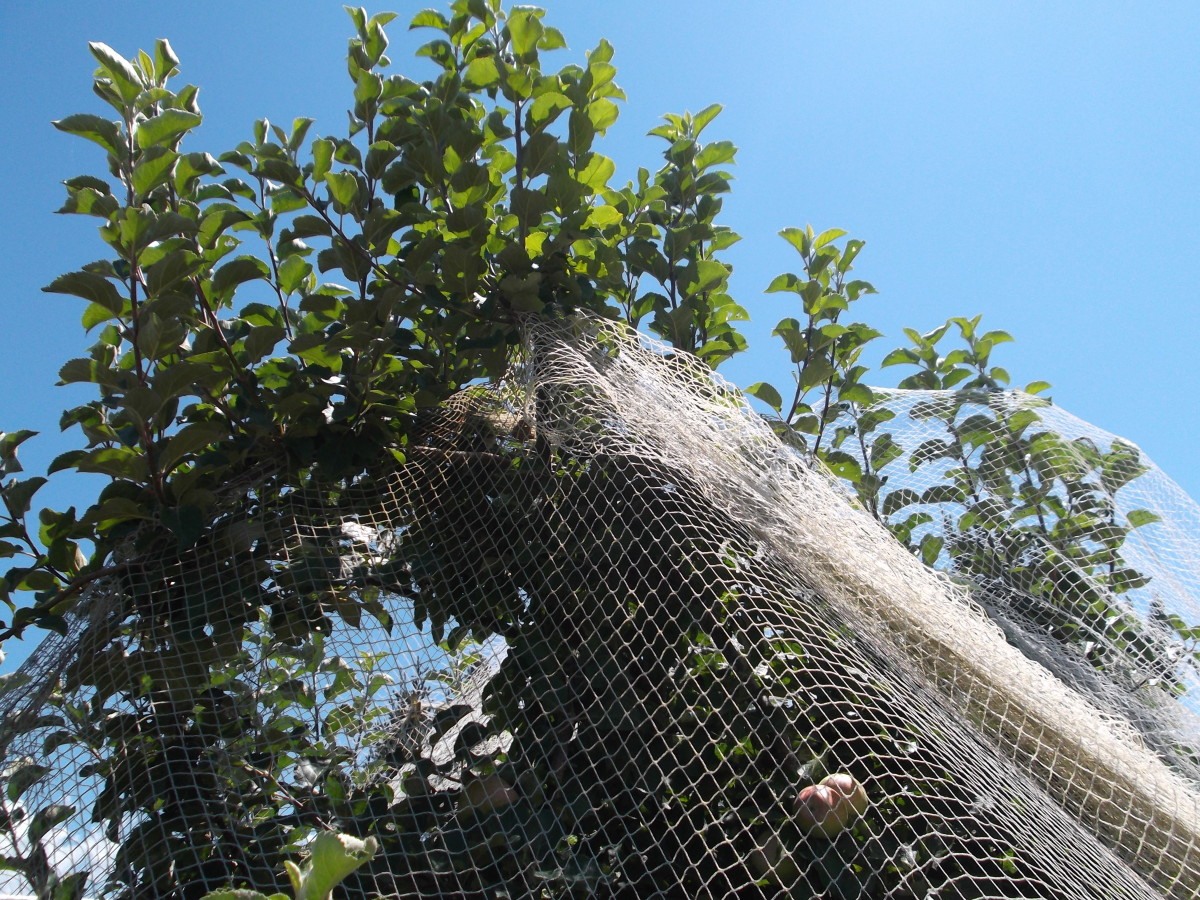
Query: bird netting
[{"x": 598, "y": 632}]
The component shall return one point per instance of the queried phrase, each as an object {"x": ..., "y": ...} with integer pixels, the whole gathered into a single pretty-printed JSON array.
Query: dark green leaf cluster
[
  {"x": 447, "y": 210},
  {"x": 1021, "y": 512}
]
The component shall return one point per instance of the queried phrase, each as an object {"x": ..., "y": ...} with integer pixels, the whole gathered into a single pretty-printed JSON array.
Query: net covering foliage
[{"x": 602, "y": 634}]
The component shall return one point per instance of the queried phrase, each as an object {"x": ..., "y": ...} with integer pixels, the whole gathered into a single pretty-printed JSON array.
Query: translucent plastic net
[{"x": 601, "y": 634}]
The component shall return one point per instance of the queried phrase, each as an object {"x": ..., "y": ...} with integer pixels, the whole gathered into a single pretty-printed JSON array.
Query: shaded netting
[
  {"x": 591, "y": 637},
  {"x": 1084, "y": 552}
]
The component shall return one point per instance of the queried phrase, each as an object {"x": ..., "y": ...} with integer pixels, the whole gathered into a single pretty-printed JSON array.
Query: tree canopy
[
  {"x": 447, "y": 210},
  {"x": 304, "y": 305}
]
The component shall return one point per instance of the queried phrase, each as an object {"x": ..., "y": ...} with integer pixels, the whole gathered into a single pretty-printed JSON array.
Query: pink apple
[{"x": 829, "y": 808}]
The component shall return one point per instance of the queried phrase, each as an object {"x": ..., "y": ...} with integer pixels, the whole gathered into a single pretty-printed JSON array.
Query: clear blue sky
[{"x": 1034, "y": 162}]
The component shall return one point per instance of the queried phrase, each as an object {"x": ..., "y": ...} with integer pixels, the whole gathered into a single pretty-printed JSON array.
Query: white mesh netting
[{"x": 602, "y": 634}]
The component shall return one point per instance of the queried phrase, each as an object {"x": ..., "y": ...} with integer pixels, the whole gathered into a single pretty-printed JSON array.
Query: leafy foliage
[
  {"x": 236, "y": 390},
  {"x": 331, "y": 859},
  {"x": 448, "y": 209},
  {"x": 1013, "y": 506}
]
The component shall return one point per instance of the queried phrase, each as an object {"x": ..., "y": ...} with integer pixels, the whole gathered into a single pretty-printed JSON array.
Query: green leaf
[
  {"x": 262, "y": 340},
  {"x": 166, "y": 128},
  {"x": 552, "y": 39},
  {"x": 440, "y": 51},
  {"x": 521, "y": 292},
  {"x": 930, "y": 449},
  {"x": 359, "y": 16},
  {"x": 826, "y": 237},
  {"x": 603, "y": 52},
  {"x": 322, "y": 154},
  {"x": 300, "y": 127},
  {"x": 943, "y": 493},
  {"x": 186, "y": 523},
  {"x": 123, "y": 75},
  {"x": 1126, "y": 579},
  {"x": 10, "y": 441},
  {"x": 848, "y": 255},
  {"x": 331, "y": 858},
  {"x": 18, "y": 495},
  {"x": 153, "y": 169},
  {"x": 90, "y": 202},
  {"x": 767, "y": 394},
  {"x": 817, "y": 370},
  {"x": 785, "y": 282},
  {"x": 603, "y": 113},
  {"x": 191, "y": 167},
  {"x": 103, "y": 132},
  {"x": 166, "y": 63},
  {"x": 238, "y": 271},
  {"x": 20, "y": 776},
  {"x": 931, "y": 549},
  {"x": 85, "y": 370},
  {"x": 481, "y": 72},
  {"x": 528, "y": 205},
  {"x": 540, "y": 153},
  {"x": 715, "y": 154},
  {"x": 901, "y": 356},
  {"x": 89, "y": 286},
  {"x": 118, "y": 509},
  {"x": 798, "y": 238},
  {"x": 843, "y": 465},
  {"x": 188, "y": 441},
  {"x": 368, "y": 87},
  {"x": 701, "y": 119},
  {"x": 997, "y": 337},
  {"x": 309, "y": 226},
  {"x": 170, "y": 270},
  {"x": 710, "y": 273},
  {"x": 46, "y": 818},
  {"x": 525, "y": 29},
  {"x": 546, "y": 107},
  {"x": 94, "y": 315},
  {"x": 597, "y": 172},
  {"x": 603, "y": 216},
  {"x": 292, "y": 273},
  {"x": 217, "y": 221},
  {"x": 897, "y": 500},
  {"x": 429, "y": 18},
  {"x": 343, "y": 188},
  {"x": 1139, "y": 517},
  {"x": 788, "y": 330},
  {"x": 884, "y": 451}
]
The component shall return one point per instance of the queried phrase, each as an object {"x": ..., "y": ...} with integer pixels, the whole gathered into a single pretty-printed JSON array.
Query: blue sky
[{"x": 1033, "y": 162}]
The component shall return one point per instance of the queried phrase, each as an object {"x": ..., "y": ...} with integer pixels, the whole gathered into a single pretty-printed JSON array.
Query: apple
[
  {"x": 851, "y": 789},
  {"x": 829, "y": 808},
  {"x": 769, "y": 860}
]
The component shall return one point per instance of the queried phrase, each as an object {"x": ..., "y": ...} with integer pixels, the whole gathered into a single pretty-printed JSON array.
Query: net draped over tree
[
  {"x": 539, "y": 605},
  {"x": 592, "y": 637}
]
